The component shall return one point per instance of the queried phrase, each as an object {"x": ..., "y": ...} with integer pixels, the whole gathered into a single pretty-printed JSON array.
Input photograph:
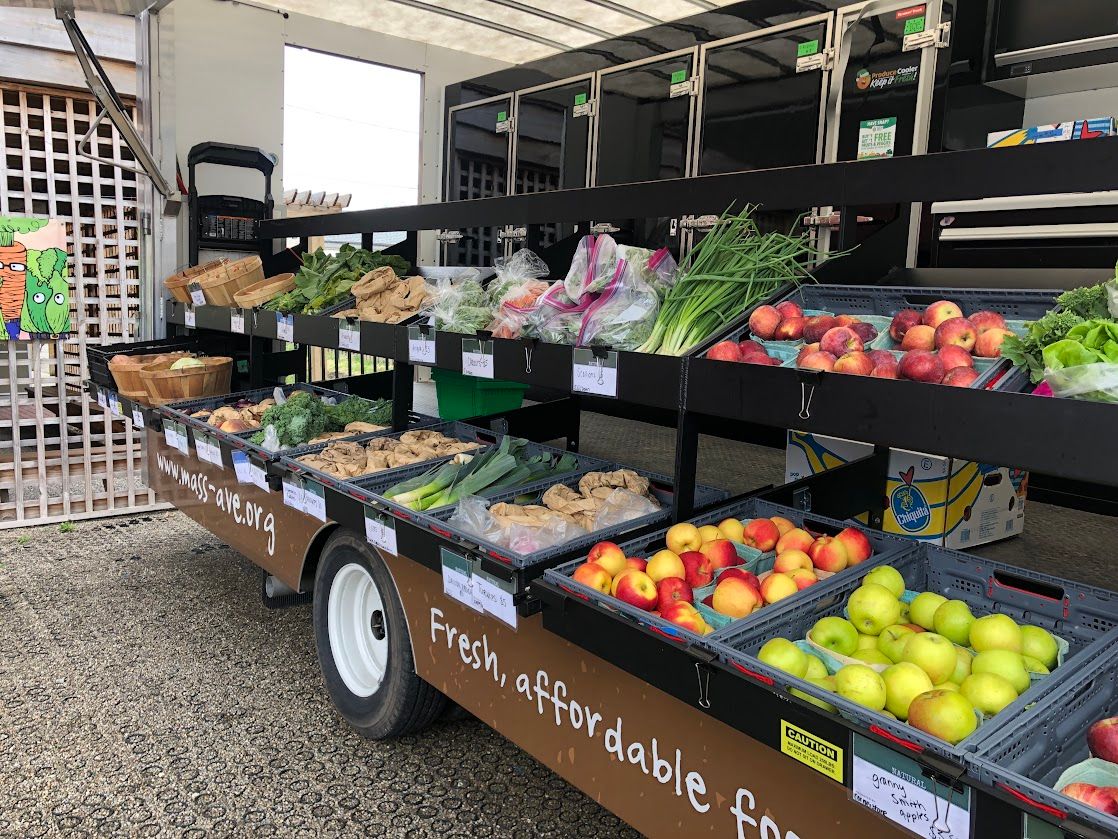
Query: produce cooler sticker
[
  {"x": 877, "y": 138},
  {"x": 190, "y": 318},
  {"x": 380, "y": 531},
  {"x": 808, "y": 57},
  {"x": 197, "y": 296},
  {"x": 34, "y": 279},
  {"x": 821, "y": 755},
  {"x": 241, "y": 468},
  {"x": 349, "y": 335},
  {"x": 293, "y": 492},
  {"x": 504, "y": 124},
  {"x": 457, "y": 579},
  {"x": 314, "y": 500},
  {"x": 237, "y": 321},
  {"x": 421, "y": 346},
  {"x": 477, "y": 358},
  {"x": 137, "y": 417},
  {"x": 582, "y": 105},
  {"x": 680, "y": 86},
  {"x": 594, "y": 374},
  {"x": 895, "y": 786}
]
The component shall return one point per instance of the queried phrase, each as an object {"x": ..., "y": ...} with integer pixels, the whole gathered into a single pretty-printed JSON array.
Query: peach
[
  {"x": 665, "y": 564},
  {"x": 954, "y": 356},
  {"x": 761, "y": 534},
  {"x": 881, "y": 357},
  {"x": 831, "y": 557},
  {"x": 764, "y": 360},
  {"x": 791, "y": 560},
  {"x": 734, "y": 598},
  {"x": 817, "y": 361},
  {"x": 903, "y": 321},
  {"x": 682, "y": 537},
  {"x": 940, "y": 311},
  {"x": 958, "y": 332},
  {"x": 609, "y": 556},
  {"x": 919, "y": 338},
  {"x": 708, "y": 533},
  {"x": 960, "y": 377},
  {"x": 846, "y": 320},
  {"x": 637, "y": 589},
  {"x": 730, "y": 529},
  {"x": 865, "y": 331},
  {"x": 816, "y": 326},
  {"x": 777, "y": 586},
  {"x": 855, "y": 364},
  {"x": 840, "y": 340},
  {"x": 593, "y": 575},
  {"x": 986, "y": 320},
  {"x": 673, "y": 590},
  {"x": 921, "y": 366},
  {"x": 989, "y": 343},
  {"x": 764, "y": 321},
  {"x": 686, "y": 616},
  {"x": 806, "y": 350},
  {"x": 721, "y": 553},
  {"x": 788, "y": 309},
  {"x": 782, "y": 524},
  {"x": 886, "y": 370},
  {"x": 697, "y": 570},
  {"x": 635, "y": 563},
  {"x": 790, "y": 329},
  {"x": 724, "y": 351},
  {"x": 749, "y": 346},
  {"x": 804, "y": 577},
  {"x": 795, "y": 539},
  {"x": 858, "y": 547}
]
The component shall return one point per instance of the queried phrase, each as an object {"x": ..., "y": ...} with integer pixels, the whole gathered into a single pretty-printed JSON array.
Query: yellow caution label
[{"x": 810, "y": 750}]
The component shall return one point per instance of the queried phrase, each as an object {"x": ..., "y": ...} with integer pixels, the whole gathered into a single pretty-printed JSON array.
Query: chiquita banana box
[{"x": 953, "y": 503}]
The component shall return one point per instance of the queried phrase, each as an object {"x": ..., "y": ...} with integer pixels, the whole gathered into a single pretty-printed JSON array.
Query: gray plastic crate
[
  {"x": 885, "y": 548},
  {"x": 1082, "y": 615},
  {"x": 661, "y": 486},
  {"x": 1028, "y": 755}
]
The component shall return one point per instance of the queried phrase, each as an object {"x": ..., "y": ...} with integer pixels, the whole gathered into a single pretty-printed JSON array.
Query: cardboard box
[
  {"x": 1080, "y": 129},
  {"x": 949, "y": 502}
]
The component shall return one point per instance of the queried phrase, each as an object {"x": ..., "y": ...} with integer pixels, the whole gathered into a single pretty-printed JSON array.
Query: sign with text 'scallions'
[{"x": 34, "y": 279}]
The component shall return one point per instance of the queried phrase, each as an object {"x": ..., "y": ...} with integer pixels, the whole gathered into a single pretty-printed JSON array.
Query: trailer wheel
[{"x": 363, "y": 644}]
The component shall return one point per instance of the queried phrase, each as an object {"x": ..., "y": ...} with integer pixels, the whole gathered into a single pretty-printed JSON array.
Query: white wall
[{"x": 228, "y": 83}]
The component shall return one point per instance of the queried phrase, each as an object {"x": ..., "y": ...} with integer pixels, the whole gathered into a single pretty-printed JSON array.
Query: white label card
[
  {"x": 494, "y": 599},
  {"x": 421, "y": 348},
  {"x": 314, "y": 499},
  {"x": 285, "y": 327},
  {"x": 593, "y": 374},
  {"x": 293, "y": 493},
  {"x": 208, "y": 449},
  {"x": 114, "y": 405},
  {"x": 182, "y": 442},
  {"x": 101, "y": 399},
  {"x": 197, "y": 297},
  {"x": 190, "y": 318},
  {"x": 349, "y": 335},
  {"x": 380, "y": 531},
  {"x": 477, "y": 358},
  {"x": 137, "y": 417},
  {"x": 258, "y": 475},
  {"x": 457, "y": 580},
  {"x": 237, "y": 321},
  {"x": 241, "y": 468}
]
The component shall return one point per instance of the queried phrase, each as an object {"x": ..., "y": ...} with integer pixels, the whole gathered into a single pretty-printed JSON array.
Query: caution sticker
[{"x": 820, "y": 755}]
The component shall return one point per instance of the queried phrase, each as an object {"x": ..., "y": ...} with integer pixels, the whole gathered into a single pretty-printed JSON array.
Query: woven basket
[
  {"x": 140, "y": 396},
  {"x": 125, "y": 369},
  {"x": 164, "y": 385},
  {"x": 177, "y": 283},
  {"x": 261, "y": 292},
  {"x": 220, "y": 287}
]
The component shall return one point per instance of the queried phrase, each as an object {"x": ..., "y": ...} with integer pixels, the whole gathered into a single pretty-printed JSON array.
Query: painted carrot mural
[{"x": 34, "y": 279}]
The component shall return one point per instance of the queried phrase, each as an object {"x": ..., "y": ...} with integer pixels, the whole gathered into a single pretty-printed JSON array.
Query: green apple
[
  {"x": 816, "y": 669},
  {"x": 988, "y": 692},
  {"x": 953, "y": 621},
  {"x": 892, "y": 639},
  {"x": 923, "y": 607},
  {"x": 871, "y": 657},
  {"x": 903, "y": 683},
  {"x": 995, "y": 632},
  {"x": 905, "y": 617},
  {"x": 962, "y": 665},
  {"x": 947, "y": 686},
  {"x": 784, "y": 655},
  {"x": 861, "y": 684},
  {"x": 1039, "y": 644},
  {"x": 872, "y": 608},
  {"x": 945, "y": 714},
  {"x": 1003, "y": 663},
  {"x": 886, "y": 576},
  {"x": 835, "y": 634},
  {"x": 1034, "y": 666},
  {"x": 867, "y": 642},
  {"x": 827, "y": 683},
  {"x": 933, "y": 654}
]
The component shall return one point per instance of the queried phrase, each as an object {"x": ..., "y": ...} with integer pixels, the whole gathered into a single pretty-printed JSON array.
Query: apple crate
[
  {"x": 1080, "y": 614},
  {"x": 1045, "y": 746},
  {"x": 885, "y": 547},
  {"x": 661, "y": 487}
]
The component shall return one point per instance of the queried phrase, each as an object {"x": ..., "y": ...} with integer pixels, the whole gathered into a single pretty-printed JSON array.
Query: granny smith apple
[
  {"x": 995, "y": 632},
  {"x": 827, "y": 683},
  {"x": 1039, "y": 644},
  {"x": 1008, "y": 665},
  {"x": 953, "y": 621},
  {"x": 867, "y": 642},
  {"x": 784, "y": 655},
  {"x": 836, "y": 634},
  {"x": 872, "y": 608},
  {"x": 816, "y": 669},
  {"x": 861, "y": 684},
  {"x": 933, "y": 654},
  {"x": 871, "y": 657},
  {"x": 923, "y": 607},
  {"x": 886, "y": 576},
  {"x": 947, "y": 686},
  {"x": 1034, "y": 666},
  {"x": 962, "y": 665},
  {"x": 945, "y": 714},
  {"x": 988, "y": 692},
  {"x": 892, "y": 639},
  {"x": 903, "y": 683}
]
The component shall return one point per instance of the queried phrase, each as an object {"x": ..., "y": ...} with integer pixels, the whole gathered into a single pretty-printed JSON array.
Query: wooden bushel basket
[
  {"x": 221, "y": 287},
  {"x": 126, "y": 370},
  {"x": 261, "y": 292},
  {"x": 164, "y": 385},
  {"x": 177, "y": 283}
]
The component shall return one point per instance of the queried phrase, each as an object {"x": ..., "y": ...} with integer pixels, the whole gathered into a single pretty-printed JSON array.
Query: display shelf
[{"x": 107, "y": 398}]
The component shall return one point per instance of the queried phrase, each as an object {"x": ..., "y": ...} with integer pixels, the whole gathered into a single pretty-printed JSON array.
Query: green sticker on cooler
[
  {"x": 502, "y": 116},
  {"x": 807, "y": 48},
  {"x": 580, "y": 99},
  {"x": 679, "y": 76},
  {"x": 914, "y": 25}
]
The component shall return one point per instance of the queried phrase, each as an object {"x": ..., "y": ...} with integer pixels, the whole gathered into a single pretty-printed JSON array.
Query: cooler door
[
  {"x": 644, "y": 120},
  {"x": 479, "y": 140}
]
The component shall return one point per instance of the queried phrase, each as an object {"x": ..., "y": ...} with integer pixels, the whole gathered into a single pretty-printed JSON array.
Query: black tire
[{"x": 403, "y": 702}]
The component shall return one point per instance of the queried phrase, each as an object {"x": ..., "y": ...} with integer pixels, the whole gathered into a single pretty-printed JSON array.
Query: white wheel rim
[{"x": 355, "y": 618}]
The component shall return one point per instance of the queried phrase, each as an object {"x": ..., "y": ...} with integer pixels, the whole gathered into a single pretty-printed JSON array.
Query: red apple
[
  {"x": 593, "y": 575},
  {"x": 749, "y": 346},
  {"x": 761, "y": 534},
  {"x": 637, "y": 589},
  {"x": 635, "y": 563},
  {"x": 903, "y": 320},
  {"x": 840, "y": 340},
  {"x": 865, "y": 331},
  {"x": 672, "y": 590},
  {"x": 854, "y": 363},
  {"x": 697, "y": 569},
  {"x": 609, "y": 556},
  {"x": 788, "y": 309},
  {"x": 886, "y": 370},
  {"x": 721, "y": 553},
  {"x": 858, "y": 547},
  {"x": 989, "y": 343},
  {"x": 919, "y": 337},
  {"x": 1102, "y": 739},
  {"x": 686, "y": 616},
  {"x": 957, "y": 331},
  {"x": 921, "y": 366},
  {"x": 881, "y": 357},
  {"x": 735, "y": 598},
  {"x": 940, "y": 311},
  {"x": 790, "y": 561},
  {"x": 764, "y": 321},
  {"x": 954, "y": 356},
  {"x": 818, "y": 360},
  {"x": 986, "y": 320},
  {"x": 960, "y": 377},
  {"x": 796, "y": 539},
  {"x": 1100, "y": 798},
  {"x": 740, "y": 573},
  {"x": 804, "y": 577},
  {"x": 725, "y": 351},
  {"x": 818, "y": 545},
  {"x": 763, "y": 360},
  {"x": 816, "y": 326},
  {"x": 831, "y": 556},
  {"x": 846, "y": 320},
  {"x": 790, "y": 329},
  {"x": 806, "y": 350}
]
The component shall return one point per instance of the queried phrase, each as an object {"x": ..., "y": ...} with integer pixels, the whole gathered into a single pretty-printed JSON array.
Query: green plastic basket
[{"x": 462, "y": 397}]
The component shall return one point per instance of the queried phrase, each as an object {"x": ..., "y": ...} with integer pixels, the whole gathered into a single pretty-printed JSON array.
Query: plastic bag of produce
[
  {"x": 594, "y": 262},
  {"x": 621, "y": 506},
  {"x": 460, "y": 306},
  {"x": 657, "y": 268},
  {"x": 515, "y": 293},
  {"x": 623, "y": 316},
  {"x": 1096, "y": 382},
  {"x": 521, "y": 528},
  {"x": 555, "y": 318}
]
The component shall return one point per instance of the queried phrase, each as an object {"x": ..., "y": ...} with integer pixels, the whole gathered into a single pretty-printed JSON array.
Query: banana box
[
  {"x": 943, "y": 500},
  {"x": 1080, "y": 129}
]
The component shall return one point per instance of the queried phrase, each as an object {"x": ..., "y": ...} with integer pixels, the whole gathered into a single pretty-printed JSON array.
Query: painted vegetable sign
[{"x": 34, "y": 279}]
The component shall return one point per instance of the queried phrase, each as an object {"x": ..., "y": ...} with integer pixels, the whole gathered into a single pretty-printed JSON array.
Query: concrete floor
[{"x": 144, "y": 690}]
